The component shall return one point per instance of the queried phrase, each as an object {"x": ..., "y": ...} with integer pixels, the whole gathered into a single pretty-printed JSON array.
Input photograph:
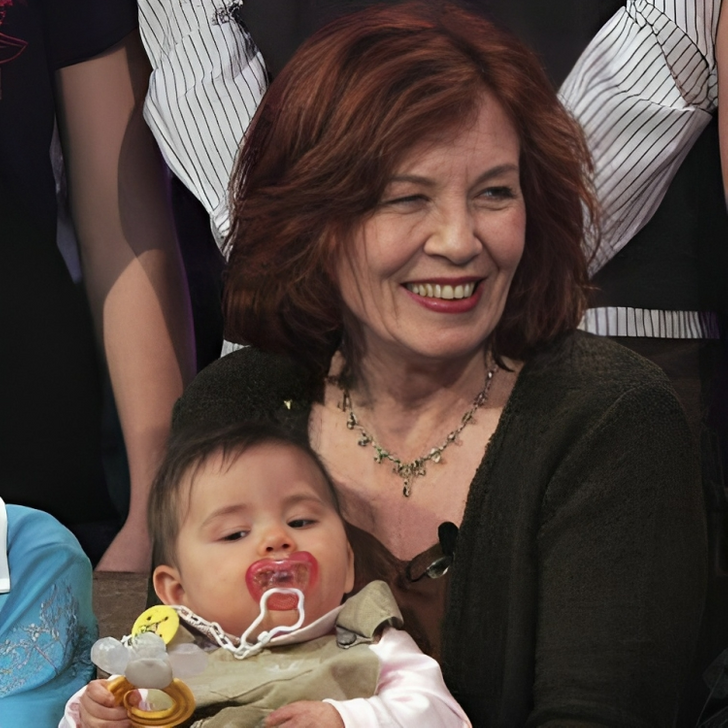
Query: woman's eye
[
  {"x": 235, "y": 536},
  {"x": 405, "y": 200},
  {"x": 301, "y": 522},
  {"x": 498, "y": 193}
]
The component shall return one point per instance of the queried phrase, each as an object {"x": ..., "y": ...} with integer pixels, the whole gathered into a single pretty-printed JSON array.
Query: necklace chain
[{"x": 408, "y": 471}]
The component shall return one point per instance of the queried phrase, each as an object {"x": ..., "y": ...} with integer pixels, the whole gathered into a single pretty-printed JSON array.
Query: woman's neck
[
  {"x": 412, "y": 385},
  {"x": 411, "y": 405}
]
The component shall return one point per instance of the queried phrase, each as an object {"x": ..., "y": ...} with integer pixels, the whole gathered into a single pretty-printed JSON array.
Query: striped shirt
[
  {"x": 207, "y": 81},
  {"x": 644, "y": 90}
]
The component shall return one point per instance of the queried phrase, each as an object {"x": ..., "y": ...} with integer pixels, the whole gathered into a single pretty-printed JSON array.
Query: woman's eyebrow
[
  {"x": 496, "y": 171},
  {"x": 412, "y": 179}
]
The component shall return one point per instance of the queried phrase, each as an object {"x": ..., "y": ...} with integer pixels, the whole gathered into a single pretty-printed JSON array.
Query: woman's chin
[
  {"x": 446, "y": 340},
  {"x": 448, "y": 348}
]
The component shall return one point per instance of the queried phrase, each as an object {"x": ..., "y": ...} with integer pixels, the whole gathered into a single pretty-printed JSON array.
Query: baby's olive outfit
[{"x": 233, "y": 693}]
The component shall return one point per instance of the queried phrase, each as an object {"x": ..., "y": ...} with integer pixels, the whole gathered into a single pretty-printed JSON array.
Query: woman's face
[{"x": 429, "y": 271}]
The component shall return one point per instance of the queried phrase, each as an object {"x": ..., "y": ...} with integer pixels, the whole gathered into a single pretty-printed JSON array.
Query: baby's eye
[
  {"x": 301, "y": 522},
  {"x": 235, "y": 536}
]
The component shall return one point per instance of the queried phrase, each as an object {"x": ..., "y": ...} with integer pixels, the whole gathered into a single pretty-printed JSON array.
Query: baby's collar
[{"x": 322, "y": 626}]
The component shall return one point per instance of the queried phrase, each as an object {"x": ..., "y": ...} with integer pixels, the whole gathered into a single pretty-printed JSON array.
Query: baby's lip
[{"x": 298, "y": 571}]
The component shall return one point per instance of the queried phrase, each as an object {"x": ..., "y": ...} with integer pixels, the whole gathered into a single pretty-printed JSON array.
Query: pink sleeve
[
  {"x": 70, "y": 714},
  {"x": 410, "y": 692},
  {"x": 71, "y": 718}
]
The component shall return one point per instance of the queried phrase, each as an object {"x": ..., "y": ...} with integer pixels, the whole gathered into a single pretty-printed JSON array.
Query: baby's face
[{"x": 270, "y": 503}]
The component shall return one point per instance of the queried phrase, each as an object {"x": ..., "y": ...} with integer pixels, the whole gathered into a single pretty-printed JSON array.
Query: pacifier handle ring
[
  {"x": 267, "y": 636},
  {"x": 285, "y": 629},
  {"x": 183, "y": 704}
]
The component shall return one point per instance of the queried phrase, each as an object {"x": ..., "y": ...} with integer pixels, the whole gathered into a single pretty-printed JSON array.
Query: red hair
[{"x": 354, "y": 99}]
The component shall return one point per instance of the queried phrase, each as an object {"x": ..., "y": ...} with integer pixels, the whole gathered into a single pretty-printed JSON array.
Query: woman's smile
[
  {"x": 446, "y": 297},
  {"x": 447, "y": 290}
]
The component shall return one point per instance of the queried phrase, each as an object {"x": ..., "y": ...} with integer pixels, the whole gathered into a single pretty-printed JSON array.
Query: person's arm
[
  {"x": 643, "y": 90},
  {"x": 132, "y": 267},
  {"x": 207, "y": 81},
  {"x": 622, "y": 568},
  {"x": 721, "y": 57},
  {"x": 410, "y": 691}
]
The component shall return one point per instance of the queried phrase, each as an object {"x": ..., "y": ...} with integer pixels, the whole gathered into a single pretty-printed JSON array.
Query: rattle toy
[{"x": 142, "y": 660}]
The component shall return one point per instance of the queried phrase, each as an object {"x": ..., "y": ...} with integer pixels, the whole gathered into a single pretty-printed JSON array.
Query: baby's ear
[
  {"x": 167, "y": 584},
  {"x": 350, "y": 569}
]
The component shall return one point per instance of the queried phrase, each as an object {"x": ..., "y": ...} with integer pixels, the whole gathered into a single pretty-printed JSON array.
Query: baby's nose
[
  {"x": 278, "y": 540},
  {"x": 282, "y": 546}
]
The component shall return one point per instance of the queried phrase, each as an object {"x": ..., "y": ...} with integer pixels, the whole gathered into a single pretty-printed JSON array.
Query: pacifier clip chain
[{"x": 244, "y": 648}]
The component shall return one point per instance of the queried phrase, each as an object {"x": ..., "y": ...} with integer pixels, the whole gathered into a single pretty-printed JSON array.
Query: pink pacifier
[{"x": 298, "y": 571}]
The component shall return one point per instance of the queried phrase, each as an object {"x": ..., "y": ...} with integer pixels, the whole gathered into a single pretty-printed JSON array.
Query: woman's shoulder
[
  {"x": 582, "y": 362},
  {"x": 580, "y": 377},
  {"x": 246, "y": 384}
]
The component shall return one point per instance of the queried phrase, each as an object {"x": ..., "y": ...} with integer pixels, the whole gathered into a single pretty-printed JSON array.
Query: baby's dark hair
[{"x": 187, "y": 451}]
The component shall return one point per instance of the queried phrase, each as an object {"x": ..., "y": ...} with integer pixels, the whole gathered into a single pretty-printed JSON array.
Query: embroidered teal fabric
[{"x": 47, "y": 624}]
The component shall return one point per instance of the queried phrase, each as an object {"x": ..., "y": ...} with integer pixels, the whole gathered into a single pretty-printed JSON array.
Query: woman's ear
[{"x": 167, "y": 584}]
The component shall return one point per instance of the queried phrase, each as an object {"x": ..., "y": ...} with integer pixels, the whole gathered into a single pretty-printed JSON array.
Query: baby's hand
[
  {"x": 98, "y": 709},
  {"x": 305, "y": 714}
]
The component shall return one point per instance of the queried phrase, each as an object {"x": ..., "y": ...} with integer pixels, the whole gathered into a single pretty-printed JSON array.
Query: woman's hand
[
  {"x": 305, "y": 714},
  {"x": 98, "y": 708}
]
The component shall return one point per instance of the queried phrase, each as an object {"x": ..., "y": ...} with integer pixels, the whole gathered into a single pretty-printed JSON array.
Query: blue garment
[{"x": 47, "y": 625}]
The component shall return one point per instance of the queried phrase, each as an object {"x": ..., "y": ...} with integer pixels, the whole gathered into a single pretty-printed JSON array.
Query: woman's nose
[{"x": 454, "y": 235}]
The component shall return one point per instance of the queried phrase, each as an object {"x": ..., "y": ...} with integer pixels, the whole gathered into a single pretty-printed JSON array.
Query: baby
[{"x": 244, "y": 511}]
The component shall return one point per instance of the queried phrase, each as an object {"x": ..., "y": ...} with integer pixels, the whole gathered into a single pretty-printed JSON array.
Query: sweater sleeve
[
  {"x": 410, "y": 690},
  {"x": 622, "y": 568},
  {"x": 77, "y": 30}
]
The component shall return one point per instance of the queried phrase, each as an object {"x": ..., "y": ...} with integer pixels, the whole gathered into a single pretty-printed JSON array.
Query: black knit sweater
[{"x": 579, "y": 575}]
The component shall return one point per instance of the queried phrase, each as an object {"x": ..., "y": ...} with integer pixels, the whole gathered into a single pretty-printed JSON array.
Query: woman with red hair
[{"x": 406, "y": 266}]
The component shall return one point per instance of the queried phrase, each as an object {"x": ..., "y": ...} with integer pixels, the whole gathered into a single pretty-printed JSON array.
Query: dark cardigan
[{"x": 580, "y": 568}]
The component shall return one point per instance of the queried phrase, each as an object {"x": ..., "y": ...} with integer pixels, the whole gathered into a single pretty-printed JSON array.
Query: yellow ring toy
[{"x": 182, "y": 708}]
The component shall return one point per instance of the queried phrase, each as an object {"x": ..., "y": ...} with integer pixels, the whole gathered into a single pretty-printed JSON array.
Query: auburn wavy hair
[{"x": 327, "y": 137}]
